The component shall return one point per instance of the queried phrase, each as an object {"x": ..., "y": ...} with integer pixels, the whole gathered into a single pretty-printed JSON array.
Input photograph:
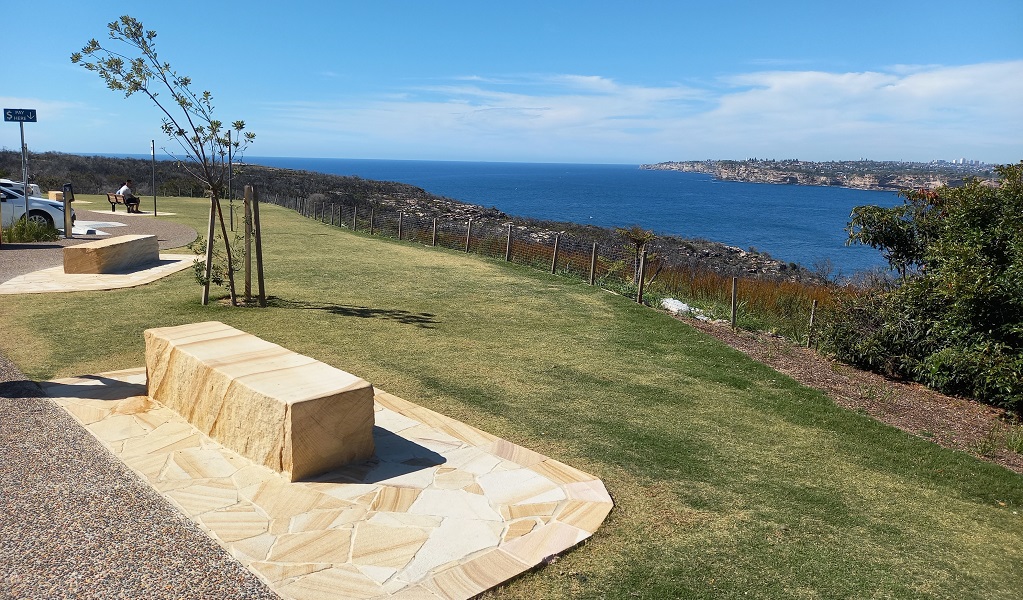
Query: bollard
[{"x": 69, "y": 197}]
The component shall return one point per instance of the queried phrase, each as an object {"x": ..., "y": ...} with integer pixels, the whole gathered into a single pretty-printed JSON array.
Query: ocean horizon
[{"x": 792, "y": 223}]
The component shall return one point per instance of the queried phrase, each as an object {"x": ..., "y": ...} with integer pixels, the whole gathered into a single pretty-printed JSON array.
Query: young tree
[
  {"x": 638, "y": 238},
  {"x": 187, "y": 117}
]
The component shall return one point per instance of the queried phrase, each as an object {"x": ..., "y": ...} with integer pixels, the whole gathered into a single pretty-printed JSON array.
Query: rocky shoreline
[
  {"x": 860, "y": 175},
  {"x": 413, "y": 202},
  {"x": 96, "y": 174}
]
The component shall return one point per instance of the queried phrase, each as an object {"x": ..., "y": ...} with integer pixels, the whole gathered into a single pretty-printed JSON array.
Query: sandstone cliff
[{"x": 864, "y": 175}]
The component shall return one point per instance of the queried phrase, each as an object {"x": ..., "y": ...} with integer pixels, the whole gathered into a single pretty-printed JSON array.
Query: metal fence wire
[
  {"x": 604, "y": 264},
  {"x": 614, "y": 266}
]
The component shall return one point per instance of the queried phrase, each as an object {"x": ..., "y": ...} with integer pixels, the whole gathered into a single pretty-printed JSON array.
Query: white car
[
  {"x": 40, "y": 210},
  {"x": 17, "y": 186}
]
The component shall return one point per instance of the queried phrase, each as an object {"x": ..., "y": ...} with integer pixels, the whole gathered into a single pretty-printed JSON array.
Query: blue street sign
[{"x": 20, "y": 115}]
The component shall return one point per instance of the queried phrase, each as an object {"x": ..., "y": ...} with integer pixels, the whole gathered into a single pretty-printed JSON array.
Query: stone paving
[
  {"x": 54, "y": 279},
  {"x": 443, "y": 510}
]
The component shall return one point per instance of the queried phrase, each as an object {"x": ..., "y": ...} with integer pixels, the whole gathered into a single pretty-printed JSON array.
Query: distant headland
[{"x": 857, "y": 174}]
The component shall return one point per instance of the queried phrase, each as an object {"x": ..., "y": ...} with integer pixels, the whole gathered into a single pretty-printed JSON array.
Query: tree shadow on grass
[{"x": 424, "y": 320}]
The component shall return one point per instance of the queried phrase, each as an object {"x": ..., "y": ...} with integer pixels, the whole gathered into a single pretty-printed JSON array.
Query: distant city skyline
[{"x": 570, "y": 81}]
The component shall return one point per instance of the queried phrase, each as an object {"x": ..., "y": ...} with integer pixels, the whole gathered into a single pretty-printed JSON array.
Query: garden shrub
[
  {"x": 953, "y": 319},
  {"x": 28, "y": 231}
]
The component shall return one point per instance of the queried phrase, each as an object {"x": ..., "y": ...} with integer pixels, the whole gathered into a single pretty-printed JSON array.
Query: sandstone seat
[
  {"x": 289, "y": 412},
  {"x": 114, "y": 255}
]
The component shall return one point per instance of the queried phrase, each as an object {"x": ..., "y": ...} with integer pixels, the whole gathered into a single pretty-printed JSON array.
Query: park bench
[
  {"x": 288, "y": 412},
  {"x": 114, "y": 200},
  {"x": 119, "y": 254}
]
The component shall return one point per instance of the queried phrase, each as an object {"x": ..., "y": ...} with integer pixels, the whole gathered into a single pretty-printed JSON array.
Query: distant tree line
[{"x": 101, "y": 174}]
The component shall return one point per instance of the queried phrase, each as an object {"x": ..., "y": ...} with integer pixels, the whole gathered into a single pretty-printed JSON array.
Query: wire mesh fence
[
  {"x": 542, "y": 249},
  {"x": 616, "y": 266}
]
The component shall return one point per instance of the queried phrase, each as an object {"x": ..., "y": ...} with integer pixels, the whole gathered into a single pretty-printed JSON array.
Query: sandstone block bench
[
  {"x": 289, "y": 412},
  {"x": 113, "y": 255}
]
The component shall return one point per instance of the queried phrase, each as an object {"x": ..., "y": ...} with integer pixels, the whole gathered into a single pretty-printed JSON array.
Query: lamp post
[
  {"x": 152, "y": 149},
  {"x": 230, "y": 169}
]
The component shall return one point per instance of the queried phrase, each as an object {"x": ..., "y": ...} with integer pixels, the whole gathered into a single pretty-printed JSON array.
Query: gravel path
[
  {"x": 76, "y": 523},
  {"x": 19, "y": 259}
]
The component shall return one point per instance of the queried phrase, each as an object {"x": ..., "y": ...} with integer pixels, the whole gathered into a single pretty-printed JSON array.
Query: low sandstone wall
[
  {"x": 286, "y": 411},
  {"x": 119, "y": 254}
]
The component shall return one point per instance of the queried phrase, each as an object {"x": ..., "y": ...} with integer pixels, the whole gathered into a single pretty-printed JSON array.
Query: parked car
[
  {"x": 40, "y": 210},
  {"x": 33, "y": 189}
]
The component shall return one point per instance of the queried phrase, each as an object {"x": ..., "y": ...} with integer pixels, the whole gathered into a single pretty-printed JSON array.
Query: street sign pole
[
  {"x": 21, "y": 116},
  {"x": 24, "y": 168}
]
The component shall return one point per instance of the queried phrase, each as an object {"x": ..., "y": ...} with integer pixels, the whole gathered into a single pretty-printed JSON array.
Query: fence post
[
  {"x": 372, "y": 218},
  {"x": 434, "y": 235},
  {"x": 468, "y": 234},
  {"x": 400, "y": 218},
  {"x": 332, "y": 207},
  {"x": 355, "y": 216},
  {"x": 593, "y": 264},
  {"x": 809, "y": 331},
  {"x": 735, "y": 299},
  {"x": 507, "y": 245},
  {"x": 554, "y": 258},
  {"x": 642, "y": 277}
]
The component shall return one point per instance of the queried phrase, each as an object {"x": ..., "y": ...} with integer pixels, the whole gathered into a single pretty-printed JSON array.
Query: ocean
[{"x": 801, "y": 224}]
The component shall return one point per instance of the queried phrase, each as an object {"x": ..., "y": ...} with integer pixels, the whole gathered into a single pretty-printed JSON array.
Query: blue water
[{"x": 802, "y": 224}]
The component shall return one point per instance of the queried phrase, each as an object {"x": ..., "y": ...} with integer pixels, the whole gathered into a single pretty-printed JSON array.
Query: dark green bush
[{"x": 953, "y": 320}]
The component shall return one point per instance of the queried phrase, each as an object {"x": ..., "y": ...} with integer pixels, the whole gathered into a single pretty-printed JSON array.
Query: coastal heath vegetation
[{"x": 953, "y": 319}]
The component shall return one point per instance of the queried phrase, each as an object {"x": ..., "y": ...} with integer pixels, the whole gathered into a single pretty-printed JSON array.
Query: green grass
[{"x": 729, "y": 479}]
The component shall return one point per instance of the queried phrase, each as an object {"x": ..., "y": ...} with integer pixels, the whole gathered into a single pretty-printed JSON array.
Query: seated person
[{"x": 130, "y": 200}]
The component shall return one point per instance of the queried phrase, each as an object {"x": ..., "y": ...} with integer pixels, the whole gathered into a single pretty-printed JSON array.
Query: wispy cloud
[{"x": 915, "y": 112}]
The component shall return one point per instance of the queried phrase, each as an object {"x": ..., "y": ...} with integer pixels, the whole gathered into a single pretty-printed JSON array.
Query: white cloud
[{"x": 916, "y": 112}]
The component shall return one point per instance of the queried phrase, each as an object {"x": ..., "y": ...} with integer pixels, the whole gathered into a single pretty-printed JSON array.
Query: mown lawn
[{"x": 729, "y": 479}]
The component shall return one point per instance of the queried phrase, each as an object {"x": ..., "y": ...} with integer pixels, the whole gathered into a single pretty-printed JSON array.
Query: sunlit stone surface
[
  {"x": 280, "y": 409},
  {"x": 419, "y": 520},
  {"x": 114, "y": 255}
]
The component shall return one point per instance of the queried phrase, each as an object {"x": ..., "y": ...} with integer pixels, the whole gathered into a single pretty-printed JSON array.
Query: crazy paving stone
[{"x": 423, "y": 519}]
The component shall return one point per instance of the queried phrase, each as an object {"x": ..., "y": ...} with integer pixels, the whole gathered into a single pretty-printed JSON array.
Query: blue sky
[{"x": 590, "y": 82}]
